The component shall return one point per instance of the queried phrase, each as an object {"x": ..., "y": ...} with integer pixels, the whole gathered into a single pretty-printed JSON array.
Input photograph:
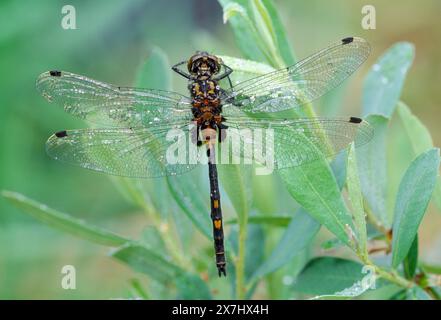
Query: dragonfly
[{"x": 135, "y": 122}]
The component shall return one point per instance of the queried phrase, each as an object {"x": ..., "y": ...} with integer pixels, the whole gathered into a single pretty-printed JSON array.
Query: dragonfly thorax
[{"x": 205, "y": 92}]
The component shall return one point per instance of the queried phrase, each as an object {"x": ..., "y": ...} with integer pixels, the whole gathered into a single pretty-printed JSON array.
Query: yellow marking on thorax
[
  {"x": 211, "y": 87},
  {"x": 197, "y": 89}
]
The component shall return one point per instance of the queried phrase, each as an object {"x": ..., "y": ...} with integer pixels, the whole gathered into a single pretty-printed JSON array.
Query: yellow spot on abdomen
[
  {"x": 216, "y": 204},
  {"x": 217, "y": 224}
]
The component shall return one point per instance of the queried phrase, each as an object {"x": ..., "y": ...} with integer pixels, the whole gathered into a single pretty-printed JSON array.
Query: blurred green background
[{"x": 111, "y": 40}]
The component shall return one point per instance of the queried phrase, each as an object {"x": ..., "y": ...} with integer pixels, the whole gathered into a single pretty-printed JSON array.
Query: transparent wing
[
  {"x": 137, "y": 152},
  {"x": 290, "y": 143},
  {"x": 298, "y": 84},
  {"x": 106, "y": 104}
]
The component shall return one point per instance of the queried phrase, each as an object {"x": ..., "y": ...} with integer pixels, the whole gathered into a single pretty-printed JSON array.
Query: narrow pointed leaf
[
  {"x": 258, "y": 31},
  {"x": 281, "y": 40},
  {"x": 411, "y": 261},
  {"x": 276, "y": 221},
  {"x": 63, "y": 221},
  {"x": 419, "y": 140},
  {"x": 235, "y": 12},
  {"x": 147, "y": 261},
  {"x": 192, "y": 200},
  {"x": 296, "y": 237},
  {"x": 383, "y": 84},
  {"x": 314, "y": 187},
  {"x": 327, "y": 275},
  {"x": 356, "y": 198},
  {"x": 372, "y": 169}
]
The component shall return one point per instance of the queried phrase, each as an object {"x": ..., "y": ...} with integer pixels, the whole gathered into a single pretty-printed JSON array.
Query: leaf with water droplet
[{"x": 382, "y": 86}]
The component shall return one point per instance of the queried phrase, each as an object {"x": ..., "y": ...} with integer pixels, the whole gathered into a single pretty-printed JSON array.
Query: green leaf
[
  {"x": 384, "y": 291},
  {"x": 247, "y": 39},
  {"x": 138, "y": 290},
  {"x": 296, "y": 237},
  {"x": 155, "y": 72},
  {"x": 413, "y": 196},
  {"x": 381, "y": 91},
  {"x": 314, "y": 187},
  {"x": 147, "y": 261},
  {"x": 428, "y": 268},
  {"x": 64, "y": 222},
  {"x": 151, "y": 239},
  {"x": 249, "y": 68},
  {"x": 331, "y": 244},
  {"x": 328, "y": 275},
  {"x": 193, "y": 202},
  {"x": 338, "y": 166},
  {"x": 356, "y": 199},
  {"x": 419, "y": 140},
  {"x": 353, "y": 291},
  {"x": 383, "y": 84},
  {"x": 281, "y": 40},
  {"x": 276, "y": 221},
  {"x": 258, "y": 31},
  {"x": 254, "y": 254},
  {"x": 417, "y": 293},
  {"x": 411, "y": 261},
  {"x": 372, "y": 168},
  {"x": 192, "y": 287},
  {"x": 400, "y": 295},
  {"x": 263, "y": 23}
]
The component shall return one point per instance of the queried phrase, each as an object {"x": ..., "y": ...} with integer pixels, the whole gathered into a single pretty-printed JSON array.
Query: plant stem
[
  {"x": 373, "y": 219},
  {"x": 167, "y": 237},
  {"x": 240, "y": 264},
  {"x": 391, "y": 276},
  {"x": 151, "y": 212}
]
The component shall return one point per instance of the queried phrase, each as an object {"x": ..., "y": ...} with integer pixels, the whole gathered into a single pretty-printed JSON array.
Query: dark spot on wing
[
  {"x": 347, "y": 40},
  {"x": 55, "y": 73},
  {"x": 61, "y": 134},
  {"x": 355, "y": 120}
]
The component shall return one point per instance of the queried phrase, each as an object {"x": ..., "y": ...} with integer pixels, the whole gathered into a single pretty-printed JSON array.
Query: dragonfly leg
[
  {"x": 216, "y": 214},
  {"x": 176, "y": 69},
  {"x": 226, "y": 74}
]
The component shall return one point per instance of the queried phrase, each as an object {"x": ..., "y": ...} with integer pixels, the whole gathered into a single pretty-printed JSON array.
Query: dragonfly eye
[{"x": 203, "y": 63}]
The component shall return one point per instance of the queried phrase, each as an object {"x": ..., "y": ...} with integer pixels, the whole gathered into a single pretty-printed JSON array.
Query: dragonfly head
[{"x": 203, "y": 64}]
